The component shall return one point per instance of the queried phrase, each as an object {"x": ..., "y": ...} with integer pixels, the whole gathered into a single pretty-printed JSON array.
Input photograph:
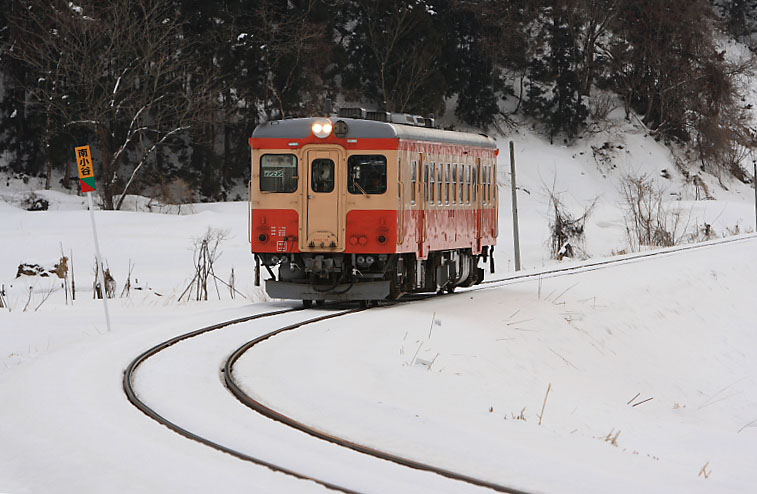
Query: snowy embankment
[{"x": 652, "y": 366}]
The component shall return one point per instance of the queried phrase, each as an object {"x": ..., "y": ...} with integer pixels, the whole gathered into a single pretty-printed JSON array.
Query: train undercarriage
[{"x": 369, "y": 277}]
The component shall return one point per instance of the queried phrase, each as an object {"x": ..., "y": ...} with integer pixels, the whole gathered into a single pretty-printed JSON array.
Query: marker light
[{"x": 322, "y": 128}]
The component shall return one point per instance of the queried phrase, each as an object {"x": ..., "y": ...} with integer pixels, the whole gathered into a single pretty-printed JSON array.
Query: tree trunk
[
  {"x": 67, "y": 175},
  {"x": 108, "y": 175}
]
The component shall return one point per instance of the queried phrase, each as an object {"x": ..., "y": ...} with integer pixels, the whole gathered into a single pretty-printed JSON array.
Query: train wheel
[
  {"x": 320, "y": 303},
  {"x": 307, "y": 303},
  {"x": 366, "y": 304}
]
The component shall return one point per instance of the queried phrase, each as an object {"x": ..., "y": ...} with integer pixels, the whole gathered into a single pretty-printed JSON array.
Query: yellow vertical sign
[{"x": 86, "y": 170}]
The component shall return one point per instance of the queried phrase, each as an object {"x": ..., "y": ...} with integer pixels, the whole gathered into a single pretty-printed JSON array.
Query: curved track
[
  {"x": 273, "y": 414},
  {"x": 150, "y": 412}
]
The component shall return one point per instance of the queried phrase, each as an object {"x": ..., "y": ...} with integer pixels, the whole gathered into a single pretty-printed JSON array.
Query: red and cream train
[{"x": 369, "y": 206}]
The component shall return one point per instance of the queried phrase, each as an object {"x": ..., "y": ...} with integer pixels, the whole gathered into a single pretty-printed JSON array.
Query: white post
[
  {"x": 98, "y": 258},
  {"x": 754, "y": 182}
]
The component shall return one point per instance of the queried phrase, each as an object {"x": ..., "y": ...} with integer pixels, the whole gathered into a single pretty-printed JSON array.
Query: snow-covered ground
[{"x": 457, "y": 381}]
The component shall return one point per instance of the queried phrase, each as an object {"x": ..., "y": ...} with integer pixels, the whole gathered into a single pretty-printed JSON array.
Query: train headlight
[{"x": 322, "y": 128}]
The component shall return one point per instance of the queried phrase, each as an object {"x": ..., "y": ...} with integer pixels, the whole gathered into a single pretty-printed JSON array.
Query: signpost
[
  {"x": 87, "y": 178},
  {"x": 516, "y": 236}
]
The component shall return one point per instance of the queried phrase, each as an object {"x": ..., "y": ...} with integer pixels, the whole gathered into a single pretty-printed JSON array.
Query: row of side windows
[{"x": 452, "y": 183}]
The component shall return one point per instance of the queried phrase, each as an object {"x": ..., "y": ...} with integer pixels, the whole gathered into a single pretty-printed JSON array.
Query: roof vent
[
  {"x": 379, "y": 116},
  {"x": 352, "y": 112}
]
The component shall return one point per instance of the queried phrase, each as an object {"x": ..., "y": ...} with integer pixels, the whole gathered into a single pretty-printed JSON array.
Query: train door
[{"x": 324, "y": 207}]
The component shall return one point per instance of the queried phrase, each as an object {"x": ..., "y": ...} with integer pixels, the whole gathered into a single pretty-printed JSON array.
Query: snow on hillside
[{"x": 678, "y": 329}]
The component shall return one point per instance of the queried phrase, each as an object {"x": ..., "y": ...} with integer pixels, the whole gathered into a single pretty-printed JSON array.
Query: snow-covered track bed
[
  {"x": 134, "y": 398},
  {"x": 582, "y": 267},
  {"x": 183, "y": 390},
  {"x": 258, "y": 406}
]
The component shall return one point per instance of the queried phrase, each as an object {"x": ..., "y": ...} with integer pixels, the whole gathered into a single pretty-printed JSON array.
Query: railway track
[
  {"x": 128, "y": 385},
  {"x": 616, "y": 261},
  {"x": 234, "y": 387}
]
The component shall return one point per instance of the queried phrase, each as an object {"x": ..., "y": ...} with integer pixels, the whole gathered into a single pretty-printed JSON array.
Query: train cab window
[
  {"x": 366, "y": 174},
  {"x": 278, "y": 173},
  {"x": 413, "y": 180},
  {"x": 322, "y": 179}
]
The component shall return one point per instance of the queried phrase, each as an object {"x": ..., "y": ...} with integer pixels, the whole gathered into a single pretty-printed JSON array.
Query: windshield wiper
[{"x": 354, "y": 182}]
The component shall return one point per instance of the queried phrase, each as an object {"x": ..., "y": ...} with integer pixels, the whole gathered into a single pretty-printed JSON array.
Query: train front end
[{"x": 323, "y": 215}]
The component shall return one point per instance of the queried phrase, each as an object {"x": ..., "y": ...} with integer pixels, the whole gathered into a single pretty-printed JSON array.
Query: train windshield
[
  {"x": 366, "y": 174},
  {"x": 278, "y": 173}
]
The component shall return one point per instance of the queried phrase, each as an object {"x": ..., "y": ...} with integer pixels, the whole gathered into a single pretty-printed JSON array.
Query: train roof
[{"x": 301, "y": 128}]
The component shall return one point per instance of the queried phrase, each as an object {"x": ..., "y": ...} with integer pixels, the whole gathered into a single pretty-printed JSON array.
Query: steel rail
[
  {"x": 131, "y": 394},
  {"x": 236, "y": 390},
  {"x": 626, "y": 259},
  {"x": 256, "y": 405}
]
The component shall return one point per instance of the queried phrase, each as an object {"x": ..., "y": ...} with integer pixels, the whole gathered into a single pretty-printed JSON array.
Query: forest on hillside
[{"x": 168, "y": 91}]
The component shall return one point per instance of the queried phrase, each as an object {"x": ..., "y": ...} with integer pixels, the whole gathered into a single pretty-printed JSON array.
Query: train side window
[
  {"x": 413, "y": 180},
  {"x": 487, "y": 189},
  {"x": 475, "y": 182},
  {"x": 493, "y": 192},
  {"x": 439, "y": 182},
  {"x": 483, "y": 184},
  {"x": 454, "y": 183},
  {"x": 425, "y": 182},
  {"x": 278, "y": 173},
  {"x": 432, "y": 183},
  {"x": 460, "y": 184},
  {"x": 446, "y": 184},
  {"x": 489, "y": 185},
  {"x": 466, "y": 184},
  {"x": 366, "y": 174}
]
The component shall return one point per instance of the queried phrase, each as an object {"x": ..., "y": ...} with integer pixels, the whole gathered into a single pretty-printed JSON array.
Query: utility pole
[
  {"x": 516, "y": 236},
  {"x": 754, "y": 183}
]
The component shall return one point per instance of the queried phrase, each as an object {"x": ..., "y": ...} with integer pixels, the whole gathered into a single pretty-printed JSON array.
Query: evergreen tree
[{"x": 554, "y": 93}]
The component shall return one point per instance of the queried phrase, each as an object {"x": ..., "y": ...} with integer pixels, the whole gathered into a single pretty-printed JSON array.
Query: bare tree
[
  {"x": 288, "y": 41},
  {"x": 118, "y": 68}
]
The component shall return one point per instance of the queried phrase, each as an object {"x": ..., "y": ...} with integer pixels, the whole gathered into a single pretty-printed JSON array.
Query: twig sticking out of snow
[
  {"x": 750, "y": 424},
  {"x": 541, "y": 415},
  {"x": 642, "y": 402},
  {"x": 612, "y": 439},
  {"x": 704, "y": 473}
]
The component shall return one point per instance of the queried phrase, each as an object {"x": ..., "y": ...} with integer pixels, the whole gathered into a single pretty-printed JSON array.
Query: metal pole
[
  {"x": 98, "y": 258},
  {"x": 754, "y": 183},
  {"x": 516, "y": 236}
]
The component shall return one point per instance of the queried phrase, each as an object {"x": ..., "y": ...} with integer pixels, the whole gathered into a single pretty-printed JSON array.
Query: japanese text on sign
[{"x": 84, "y": 162}]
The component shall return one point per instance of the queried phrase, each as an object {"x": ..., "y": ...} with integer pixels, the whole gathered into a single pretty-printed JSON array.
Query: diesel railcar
[{"x": 370, "y": 206}]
